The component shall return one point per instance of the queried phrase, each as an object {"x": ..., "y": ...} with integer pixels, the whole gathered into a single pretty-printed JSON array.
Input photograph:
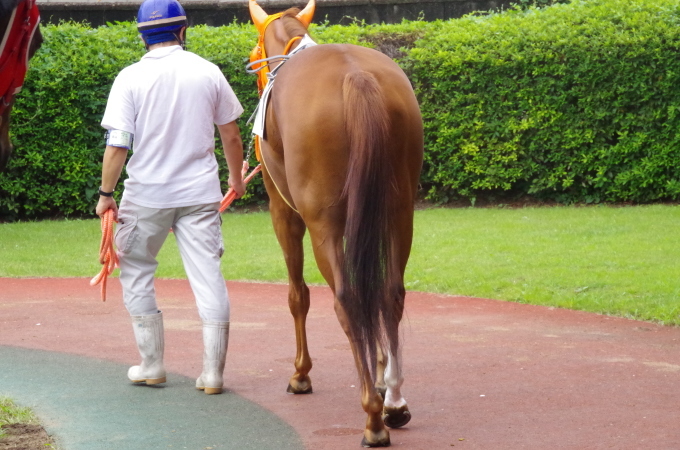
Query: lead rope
[{"x": 107, "y": 253}]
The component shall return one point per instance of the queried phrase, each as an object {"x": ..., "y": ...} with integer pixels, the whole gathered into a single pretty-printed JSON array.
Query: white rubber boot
[
  {"x": 151, "y": 343},
  {"x": 215, "y": 342}
]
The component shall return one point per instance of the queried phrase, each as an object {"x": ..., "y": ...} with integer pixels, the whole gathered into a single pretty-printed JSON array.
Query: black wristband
[{"x": 105, "y": 194}]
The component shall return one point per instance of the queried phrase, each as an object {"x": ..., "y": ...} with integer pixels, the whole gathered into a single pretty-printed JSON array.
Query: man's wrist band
[{"x": 105, "y": 194}]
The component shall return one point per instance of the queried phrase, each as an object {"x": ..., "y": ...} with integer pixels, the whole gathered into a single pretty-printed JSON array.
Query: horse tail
[{"x": 369, "y": 274}]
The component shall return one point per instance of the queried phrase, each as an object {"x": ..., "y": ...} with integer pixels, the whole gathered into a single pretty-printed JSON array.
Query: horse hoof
[
  {"x": 292, "y": 390},
  {"x": 383, "y": 443},
  {"x": 396, "y": 417}
]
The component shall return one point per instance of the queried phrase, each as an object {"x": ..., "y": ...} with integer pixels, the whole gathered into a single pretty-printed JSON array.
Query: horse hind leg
[
  {"x": 395, "y": 409},
  {"x": 328, "y": 251},
  {"x": 290, "y": 229},
  {"x": 375, "y": 433}
]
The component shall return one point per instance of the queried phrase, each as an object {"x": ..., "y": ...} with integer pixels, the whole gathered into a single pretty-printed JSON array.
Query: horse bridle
[
  {"x": 259, "y": 62},
  {"x": 14, "y": 50}
]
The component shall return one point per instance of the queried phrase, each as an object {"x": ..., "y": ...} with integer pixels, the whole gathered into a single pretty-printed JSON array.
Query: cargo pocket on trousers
[{"x": 126, "y": 232}]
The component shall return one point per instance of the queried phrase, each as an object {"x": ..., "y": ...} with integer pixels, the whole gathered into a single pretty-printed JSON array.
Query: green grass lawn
[
  {"x": 10, "y": 413},
  {"x": 620, "y": 261}
]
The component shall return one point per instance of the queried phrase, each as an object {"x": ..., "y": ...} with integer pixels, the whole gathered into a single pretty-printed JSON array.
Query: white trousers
[{"x": 140, "y": 234}]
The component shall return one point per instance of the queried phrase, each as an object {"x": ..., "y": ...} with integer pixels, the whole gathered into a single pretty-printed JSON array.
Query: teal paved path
[{"x": 83, "y": 402}]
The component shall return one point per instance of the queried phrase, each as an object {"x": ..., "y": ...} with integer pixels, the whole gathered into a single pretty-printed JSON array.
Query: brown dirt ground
[{"x": 21, "y": 436}]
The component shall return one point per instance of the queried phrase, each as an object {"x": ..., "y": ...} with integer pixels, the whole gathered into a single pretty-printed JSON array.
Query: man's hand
[
  {"x": 236, "y": 183},
  {"x": 106, "y": 203}
]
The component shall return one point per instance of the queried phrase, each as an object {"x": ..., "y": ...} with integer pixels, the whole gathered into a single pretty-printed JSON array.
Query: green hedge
[
  {"x": 573, "y": 102},
  {"x": 56, "y": 169}
]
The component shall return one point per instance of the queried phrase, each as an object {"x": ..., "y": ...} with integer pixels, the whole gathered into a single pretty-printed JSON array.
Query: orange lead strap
[{"x": 107, "y": 254}]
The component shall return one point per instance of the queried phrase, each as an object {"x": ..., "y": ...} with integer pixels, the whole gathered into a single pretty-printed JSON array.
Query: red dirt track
[{"x": 480, "y": 374}]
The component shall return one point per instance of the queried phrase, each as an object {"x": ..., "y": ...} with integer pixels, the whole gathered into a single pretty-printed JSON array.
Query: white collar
[{"x": 162, "y": 52}]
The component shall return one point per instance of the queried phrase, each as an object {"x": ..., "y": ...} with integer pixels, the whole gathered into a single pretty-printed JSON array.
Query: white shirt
[{"x": 170, "y": 100}]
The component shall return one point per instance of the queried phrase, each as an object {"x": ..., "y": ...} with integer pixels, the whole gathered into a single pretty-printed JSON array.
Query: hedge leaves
[{"x": 574, "y": 102}]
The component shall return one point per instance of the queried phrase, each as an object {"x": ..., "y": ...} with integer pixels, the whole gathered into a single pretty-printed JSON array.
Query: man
[{"x": 168, "y": 103}]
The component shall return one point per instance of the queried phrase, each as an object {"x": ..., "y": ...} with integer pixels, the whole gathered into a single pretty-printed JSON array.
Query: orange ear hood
[
  {"x": 306, "y": 15},
  {"x": 258, "y": 15}
]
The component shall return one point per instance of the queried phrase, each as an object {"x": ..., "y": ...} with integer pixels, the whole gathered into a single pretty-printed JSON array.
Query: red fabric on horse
[{"x": 14, "y": 49}]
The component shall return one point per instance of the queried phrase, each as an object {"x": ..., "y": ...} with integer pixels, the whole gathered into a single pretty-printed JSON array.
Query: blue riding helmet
[{"x": 160, "y": 20}]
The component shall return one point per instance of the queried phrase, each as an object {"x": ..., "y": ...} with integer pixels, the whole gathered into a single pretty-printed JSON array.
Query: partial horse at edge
[{"x": 21, "y": 38}]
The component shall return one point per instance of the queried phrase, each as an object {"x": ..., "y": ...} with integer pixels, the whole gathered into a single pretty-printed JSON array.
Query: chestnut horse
[
  {"x": 342, "y": 150},
  {"x": 20, "y": 38}
]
